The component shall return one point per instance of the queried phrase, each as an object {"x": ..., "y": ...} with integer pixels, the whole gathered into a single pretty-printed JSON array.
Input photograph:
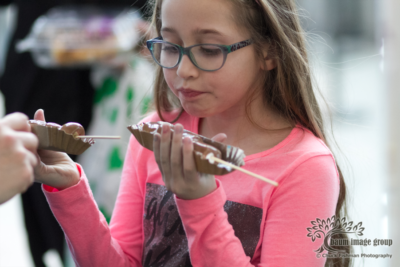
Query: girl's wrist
[
  {"x": 210, "y": 187},
  {"x": 73, "y": 180}
]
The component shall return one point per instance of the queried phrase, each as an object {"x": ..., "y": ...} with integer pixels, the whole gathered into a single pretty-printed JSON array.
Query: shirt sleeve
[
  {"x": 91, "y": 241},
  {"x": 309, "y": 192}
]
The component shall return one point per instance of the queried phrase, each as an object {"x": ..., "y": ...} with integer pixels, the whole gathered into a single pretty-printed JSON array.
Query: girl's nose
[{"x": 186, "y": 69}]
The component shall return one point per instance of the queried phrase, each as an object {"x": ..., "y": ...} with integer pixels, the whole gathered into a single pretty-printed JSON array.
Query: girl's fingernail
[
  {"x": 178, "y": 129},
  {"x": 165, "y": 128},
  {"x": 187, "y": 140}
]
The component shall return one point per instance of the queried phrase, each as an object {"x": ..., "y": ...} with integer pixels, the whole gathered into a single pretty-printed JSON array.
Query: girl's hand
[
  {"x": 176, "y": 163},
  {"x": 55, "y": 169}
]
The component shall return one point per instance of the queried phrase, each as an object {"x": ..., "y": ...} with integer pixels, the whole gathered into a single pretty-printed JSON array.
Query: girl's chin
[{"x": 197, "y": 112}]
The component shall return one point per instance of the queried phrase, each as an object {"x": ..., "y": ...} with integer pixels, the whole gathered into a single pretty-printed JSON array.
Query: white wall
[
  {"x": 7, "y": 16},
  {"x": 14, "y": 250},
  {"x": 392, "y": 65}
]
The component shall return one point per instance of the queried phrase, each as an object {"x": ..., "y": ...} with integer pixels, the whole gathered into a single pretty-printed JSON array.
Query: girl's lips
[{"x": 187, "y": 93}]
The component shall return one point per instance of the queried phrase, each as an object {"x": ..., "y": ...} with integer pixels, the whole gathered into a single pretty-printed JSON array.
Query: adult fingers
[
  {"x": 11, "y": 140},
  {"x": 32, "y": 159},
  {"x": 23, "y": 148},
  {"x": 28, "y": 140},
  {"x": 15, "y": 156},
  {"x": 176, "y": 152},
  {"x": 165, "y": 150},
  {"x": 189, "y": 166},
  {"x": 16, "y": 121}
]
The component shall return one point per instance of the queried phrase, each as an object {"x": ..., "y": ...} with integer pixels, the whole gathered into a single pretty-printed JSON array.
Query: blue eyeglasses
[{"x": 207, "y": 57}]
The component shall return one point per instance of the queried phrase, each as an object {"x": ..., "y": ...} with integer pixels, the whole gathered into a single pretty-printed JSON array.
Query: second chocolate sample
[{"x": 203, "y": 146}]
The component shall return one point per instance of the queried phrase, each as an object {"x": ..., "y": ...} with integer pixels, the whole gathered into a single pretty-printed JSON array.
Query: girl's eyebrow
[
  {"x": 196, "y": 31},
  {"x": 166, "y": 29},
  {"x": 207, "y": 31}
]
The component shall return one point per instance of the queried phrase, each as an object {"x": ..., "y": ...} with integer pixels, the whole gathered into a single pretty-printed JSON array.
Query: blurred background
[{"x": 353, "y": 51}]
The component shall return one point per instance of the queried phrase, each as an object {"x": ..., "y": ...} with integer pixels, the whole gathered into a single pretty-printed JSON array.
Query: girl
[{"x": 232, "y": 66}]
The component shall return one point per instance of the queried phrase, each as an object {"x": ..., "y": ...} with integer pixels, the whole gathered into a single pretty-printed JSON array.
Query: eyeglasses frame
[{"x": 226, "y": 49}]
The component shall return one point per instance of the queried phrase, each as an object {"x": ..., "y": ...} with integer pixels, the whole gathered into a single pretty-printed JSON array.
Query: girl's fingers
[
  {"x": 189, "y": 166},
  {"x": 156, "y": 149},
  {"x": 221, "y": 137},
  {"x": 165, "y": 150},
  {"x": 176, "y": 152},
  {"x": 39, "y": 115}
]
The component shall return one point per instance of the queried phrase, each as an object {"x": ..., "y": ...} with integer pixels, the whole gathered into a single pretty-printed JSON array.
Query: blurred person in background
[
  {"x": 123, "y": 93},
  {"x": 17, "y": 155},
  {"x": 65, "y": 94}
]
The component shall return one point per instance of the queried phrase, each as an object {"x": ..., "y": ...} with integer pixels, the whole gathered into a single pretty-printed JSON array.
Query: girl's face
[{"x": 202, "y": 93}]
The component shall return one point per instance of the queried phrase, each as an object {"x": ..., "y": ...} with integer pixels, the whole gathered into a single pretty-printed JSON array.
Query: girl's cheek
[{"x": 169, "y": 78}]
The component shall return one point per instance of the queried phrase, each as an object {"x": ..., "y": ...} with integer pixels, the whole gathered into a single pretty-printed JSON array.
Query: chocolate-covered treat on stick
[
  {"x": 73, "y": 128},
  {"x": 202, "y": 146},
  {"x": 210, "y": 156},
  {"x": 69, "y": 138},
  {"x": 53, "y": 136}
]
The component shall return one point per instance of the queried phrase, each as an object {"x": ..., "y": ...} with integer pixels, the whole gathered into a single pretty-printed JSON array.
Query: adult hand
[
  {"x": 17, "y": 155},
  {"x": 176, "y": 163},
  {"x": 55, "y": 168}
]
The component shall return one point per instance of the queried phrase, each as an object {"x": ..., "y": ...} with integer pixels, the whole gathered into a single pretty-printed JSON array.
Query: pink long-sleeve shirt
[{"x": 244, "y": 222}]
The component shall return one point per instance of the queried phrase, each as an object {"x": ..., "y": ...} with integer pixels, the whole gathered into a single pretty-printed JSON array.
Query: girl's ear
[{"x": 269, "y": 61}]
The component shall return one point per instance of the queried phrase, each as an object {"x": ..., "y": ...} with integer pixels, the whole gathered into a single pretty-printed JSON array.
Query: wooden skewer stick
[
  {"x": 243, "y": 170},
  {"x": 98, "y": 137}
]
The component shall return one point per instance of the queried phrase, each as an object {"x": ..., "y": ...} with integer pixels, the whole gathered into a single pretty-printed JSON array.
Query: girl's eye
[
  {"x": 210, "y": 52},
  {"x": 170, "y": 49}
]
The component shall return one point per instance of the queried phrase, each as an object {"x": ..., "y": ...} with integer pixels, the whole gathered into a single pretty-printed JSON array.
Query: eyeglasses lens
[
  {"x": 165, "y": 54},
  {"x": 206, "y": 57}
]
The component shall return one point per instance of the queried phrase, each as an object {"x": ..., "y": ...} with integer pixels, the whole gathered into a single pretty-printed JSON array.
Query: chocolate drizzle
[{"x": 202, "y": 145}]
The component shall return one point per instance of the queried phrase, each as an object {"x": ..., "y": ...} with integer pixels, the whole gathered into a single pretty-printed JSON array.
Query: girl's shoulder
[
  {"x": 302, "y": 153},
  {"x": 305, "y": 149},
  {"x": 306, "y": 142},
  {"x": 300, "y": 142}
]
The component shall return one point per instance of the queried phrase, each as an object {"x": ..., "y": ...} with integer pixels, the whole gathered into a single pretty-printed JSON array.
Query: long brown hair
[{"x": 288, "y": 88}]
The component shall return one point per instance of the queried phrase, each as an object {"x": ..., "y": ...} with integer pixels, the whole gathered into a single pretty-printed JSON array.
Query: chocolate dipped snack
[
  {"x": 53, "y": 136},
  {"x": 73, "y": 128},
  {"x": 202, "y": 146}
]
